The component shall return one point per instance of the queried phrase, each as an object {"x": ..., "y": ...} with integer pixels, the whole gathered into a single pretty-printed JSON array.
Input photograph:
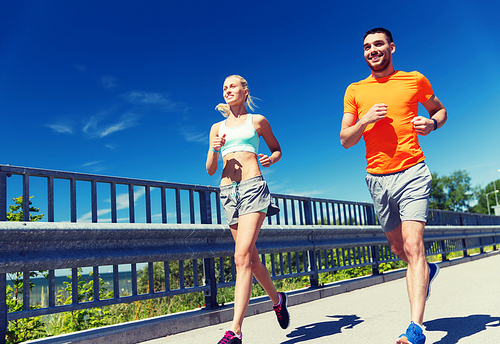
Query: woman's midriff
[{"x": 239, "y": 166}]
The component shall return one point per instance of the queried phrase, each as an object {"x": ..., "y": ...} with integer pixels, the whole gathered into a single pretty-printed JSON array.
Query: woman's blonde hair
[{"x": 225, "y": 109}]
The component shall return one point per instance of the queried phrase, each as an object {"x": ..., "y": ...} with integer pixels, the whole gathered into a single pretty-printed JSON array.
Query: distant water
[{"x": 40, "y": 292}]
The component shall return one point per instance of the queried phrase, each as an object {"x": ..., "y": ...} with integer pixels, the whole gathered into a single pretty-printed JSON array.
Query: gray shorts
[
  {"x": 248, "y": 196},
  {"x": 401, "y": 196}
]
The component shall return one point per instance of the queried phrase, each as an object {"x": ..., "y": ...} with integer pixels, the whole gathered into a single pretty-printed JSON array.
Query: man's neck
[{"x": 382, "y": 74}]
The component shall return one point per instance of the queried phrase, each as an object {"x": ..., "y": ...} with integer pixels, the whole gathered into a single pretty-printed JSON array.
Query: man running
[{"x": 383, "y": 108}]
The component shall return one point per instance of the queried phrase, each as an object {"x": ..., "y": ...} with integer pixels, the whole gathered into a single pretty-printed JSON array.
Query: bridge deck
[{"x": 464, "y": 308}]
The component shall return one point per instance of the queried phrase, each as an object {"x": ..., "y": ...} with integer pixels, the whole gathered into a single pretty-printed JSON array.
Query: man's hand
[
  {"x": 423, "y": 126},
  {"x": 376, "y": 113}
]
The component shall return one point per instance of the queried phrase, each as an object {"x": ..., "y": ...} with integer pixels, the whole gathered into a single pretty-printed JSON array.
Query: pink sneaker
[
  {"x": 230, "y": 338},
  {"x": 282, "y": 311}
]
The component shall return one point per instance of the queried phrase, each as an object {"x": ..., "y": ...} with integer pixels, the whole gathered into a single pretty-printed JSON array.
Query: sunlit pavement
[{"x": 464, "y": 308}]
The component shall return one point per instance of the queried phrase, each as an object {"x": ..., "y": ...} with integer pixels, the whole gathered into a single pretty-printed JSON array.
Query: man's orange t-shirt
[{"x": 391, "y": 143}]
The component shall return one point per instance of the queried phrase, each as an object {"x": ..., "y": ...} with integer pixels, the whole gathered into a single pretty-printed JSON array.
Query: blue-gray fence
[{"x": 183, "y": 225}]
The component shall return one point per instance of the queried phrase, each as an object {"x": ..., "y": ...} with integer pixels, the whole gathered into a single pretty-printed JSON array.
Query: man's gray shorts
[
  {"x": 248, "y": 196},
  {"x": 401, "y": 196}
]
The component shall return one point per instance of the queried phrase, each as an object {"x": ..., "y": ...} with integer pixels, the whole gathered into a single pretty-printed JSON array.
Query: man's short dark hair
[{"x": 387, "y": 33}]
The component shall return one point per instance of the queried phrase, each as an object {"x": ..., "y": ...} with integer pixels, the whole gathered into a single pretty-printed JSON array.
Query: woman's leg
[
  {"x": 245, "y": 234},
  {"x": 262, "y": 276}
]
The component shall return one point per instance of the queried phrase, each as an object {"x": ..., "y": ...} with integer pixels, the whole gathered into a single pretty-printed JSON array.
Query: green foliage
[
  {"x": 84, "y": 318},
  {"x": 482, "y": 206},
  {"x": 16, "y": 211},
  {"x": 165, "y": 305},
  {"x": 26, "y": 328},
  {"x": 438, "y": 195},
  {"x": 453, "y": 192}
]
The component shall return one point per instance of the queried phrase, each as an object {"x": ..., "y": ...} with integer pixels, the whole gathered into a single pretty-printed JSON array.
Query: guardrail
[{"x": 310, "y": 236}]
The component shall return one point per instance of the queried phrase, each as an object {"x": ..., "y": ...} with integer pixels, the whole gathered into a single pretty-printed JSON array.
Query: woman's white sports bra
[{"x": 240, "y": 139}]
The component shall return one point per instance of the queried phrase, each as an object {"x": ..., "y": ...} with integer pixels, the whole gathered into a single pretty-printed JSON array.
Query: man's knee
[
  {"x": 397, "y": 249},
  {"x": 413, "y": 233}
]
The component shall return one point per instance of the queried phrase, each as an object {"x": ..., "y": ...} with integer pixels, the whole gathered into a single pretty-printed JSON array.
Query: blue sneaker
[
  {"x": 433, "y": 272},
  {"x": 413, "y": 335}
]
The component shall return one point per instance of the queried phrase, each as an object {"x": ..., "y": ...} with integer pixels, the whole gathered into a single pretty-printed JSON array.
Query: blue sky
[{"x": 128, "y": 88}]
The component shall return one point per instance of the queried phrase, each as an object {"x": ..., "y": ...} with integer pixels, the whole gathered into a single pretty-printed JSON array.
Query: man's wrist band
[
  {"x": 213, "y": 150},
  {"x": 435, "y": 123}
]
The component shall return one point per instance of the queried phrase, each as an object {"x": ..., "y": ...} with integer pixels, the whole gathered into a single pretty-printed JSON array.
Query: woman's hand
[
  {"x": 264, "y": 160},
  {"x": 218, "y": 142}
]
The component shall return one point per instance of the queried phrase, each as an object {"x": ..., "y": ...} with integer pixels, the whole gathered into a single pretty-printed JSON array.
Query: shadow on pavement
[
  {"x": 462, "y": 327},
  {"x": 322, "y": 329}
]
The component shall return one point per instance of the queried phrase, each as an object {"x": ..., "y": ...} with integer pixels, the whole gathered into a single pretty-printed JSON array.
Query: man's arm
[
  {"x": 423, "y": 126},
  {"x": 351, "y": 131}
]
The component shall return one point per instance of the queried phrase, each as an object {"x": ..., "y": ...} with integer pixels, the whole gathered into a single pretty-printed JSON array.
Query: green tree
[
  {"x": 16, "y": 211},
  {"x": 83, "y": 319},
  {"x": 438, "y": 196},
  {"x": 453, "y": 192},
  {"x": 482, "y": 205},
  {"x": 27, "y": 328},
  {"x": 459, "y": 191}
]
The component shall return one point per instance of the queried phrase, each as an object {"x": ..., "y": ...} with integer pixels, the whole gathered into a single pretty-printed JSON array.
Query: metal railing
[{"x": 310, "y": 236}]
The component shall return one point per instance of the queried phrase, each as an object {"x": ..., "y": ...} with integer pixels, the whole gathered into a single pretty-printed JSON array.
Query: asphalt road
[{"x": 464, "y": 308}]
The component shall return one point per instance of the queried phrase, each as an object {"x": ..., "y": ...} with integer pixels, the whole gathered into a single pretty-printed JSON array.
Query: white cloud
[
  {"x": 122, "y": 199},
  {"x": 60, "y": 128},
  {"x": 191, "y": 136},
  {"x": 109, "y": 81},
  {"x": 80, "y": 68},
  {"x": 88, "y": 216},
  {"x": 153, "y": 99},
  {"x": 92, "y": 123},
  {"x": 122, "y": 202},
  {"x": 148, "y": 98},
  {"x": 94, "y": 129},
  {"x": 92, "y": 163}
]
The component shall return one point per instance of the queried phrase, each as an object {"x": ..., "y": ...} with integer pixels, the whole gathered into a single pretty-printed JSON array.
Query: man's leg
[{"x": 407, "y": 241}]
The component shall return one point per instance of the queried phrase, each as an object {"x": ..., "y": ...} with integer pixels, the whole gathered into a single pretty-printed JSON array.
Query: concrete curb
[{"x": 153, "y": 328}]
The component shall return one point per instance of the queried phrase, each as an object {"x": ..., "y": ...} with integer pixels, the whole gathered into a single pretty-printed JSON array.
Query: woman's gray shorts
[
  {"x": 401, "y": 196},
  {"x": 248, "y": 196}
]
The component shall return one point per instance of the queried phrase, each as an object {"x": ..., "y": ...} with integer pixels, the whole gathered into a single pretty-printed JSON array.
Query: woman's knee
[{"x": 242, "y": 259}]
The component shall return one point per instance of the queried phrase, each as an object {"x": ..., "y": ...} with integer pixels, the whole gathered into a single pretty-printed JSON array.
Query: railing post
[
  {"x": 464, "y": 245},
  {"x": 3, "y": 197},
  {"x": 3, "y": 308},
  {"x": 443, "y": 250},
  {"x": 205, "y": 207},
  {"x": 370, "y": 212},
  {"x": 209, "y": 272},
  {"x": 26, "y": 197},
  {"x": 313, "y": 263},
  {"x": 375, "y": 260},
  {"x": 208, "y": 263}
]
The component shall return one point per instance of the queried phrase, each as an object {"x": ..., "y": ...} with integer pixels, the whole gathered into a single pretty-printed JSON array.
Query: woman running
[{"x": 244, "y": 195}]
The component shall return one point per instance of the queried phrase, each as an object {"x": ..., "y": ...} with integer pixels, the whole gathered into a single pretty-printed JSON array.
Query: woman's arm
[
  {"x": 216, "y": 143},
  {"x": 263, "y": 128}
]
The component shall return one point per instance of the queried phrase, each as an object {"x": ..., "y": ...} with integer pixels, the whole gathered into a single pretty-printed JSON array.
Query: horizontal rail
[{"x": 45, "y": 246}]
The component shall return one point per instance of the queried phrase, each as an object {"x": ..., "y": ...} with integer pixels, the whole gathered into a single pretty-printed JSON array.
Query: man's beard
[{"x": 381, "y": 67}]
